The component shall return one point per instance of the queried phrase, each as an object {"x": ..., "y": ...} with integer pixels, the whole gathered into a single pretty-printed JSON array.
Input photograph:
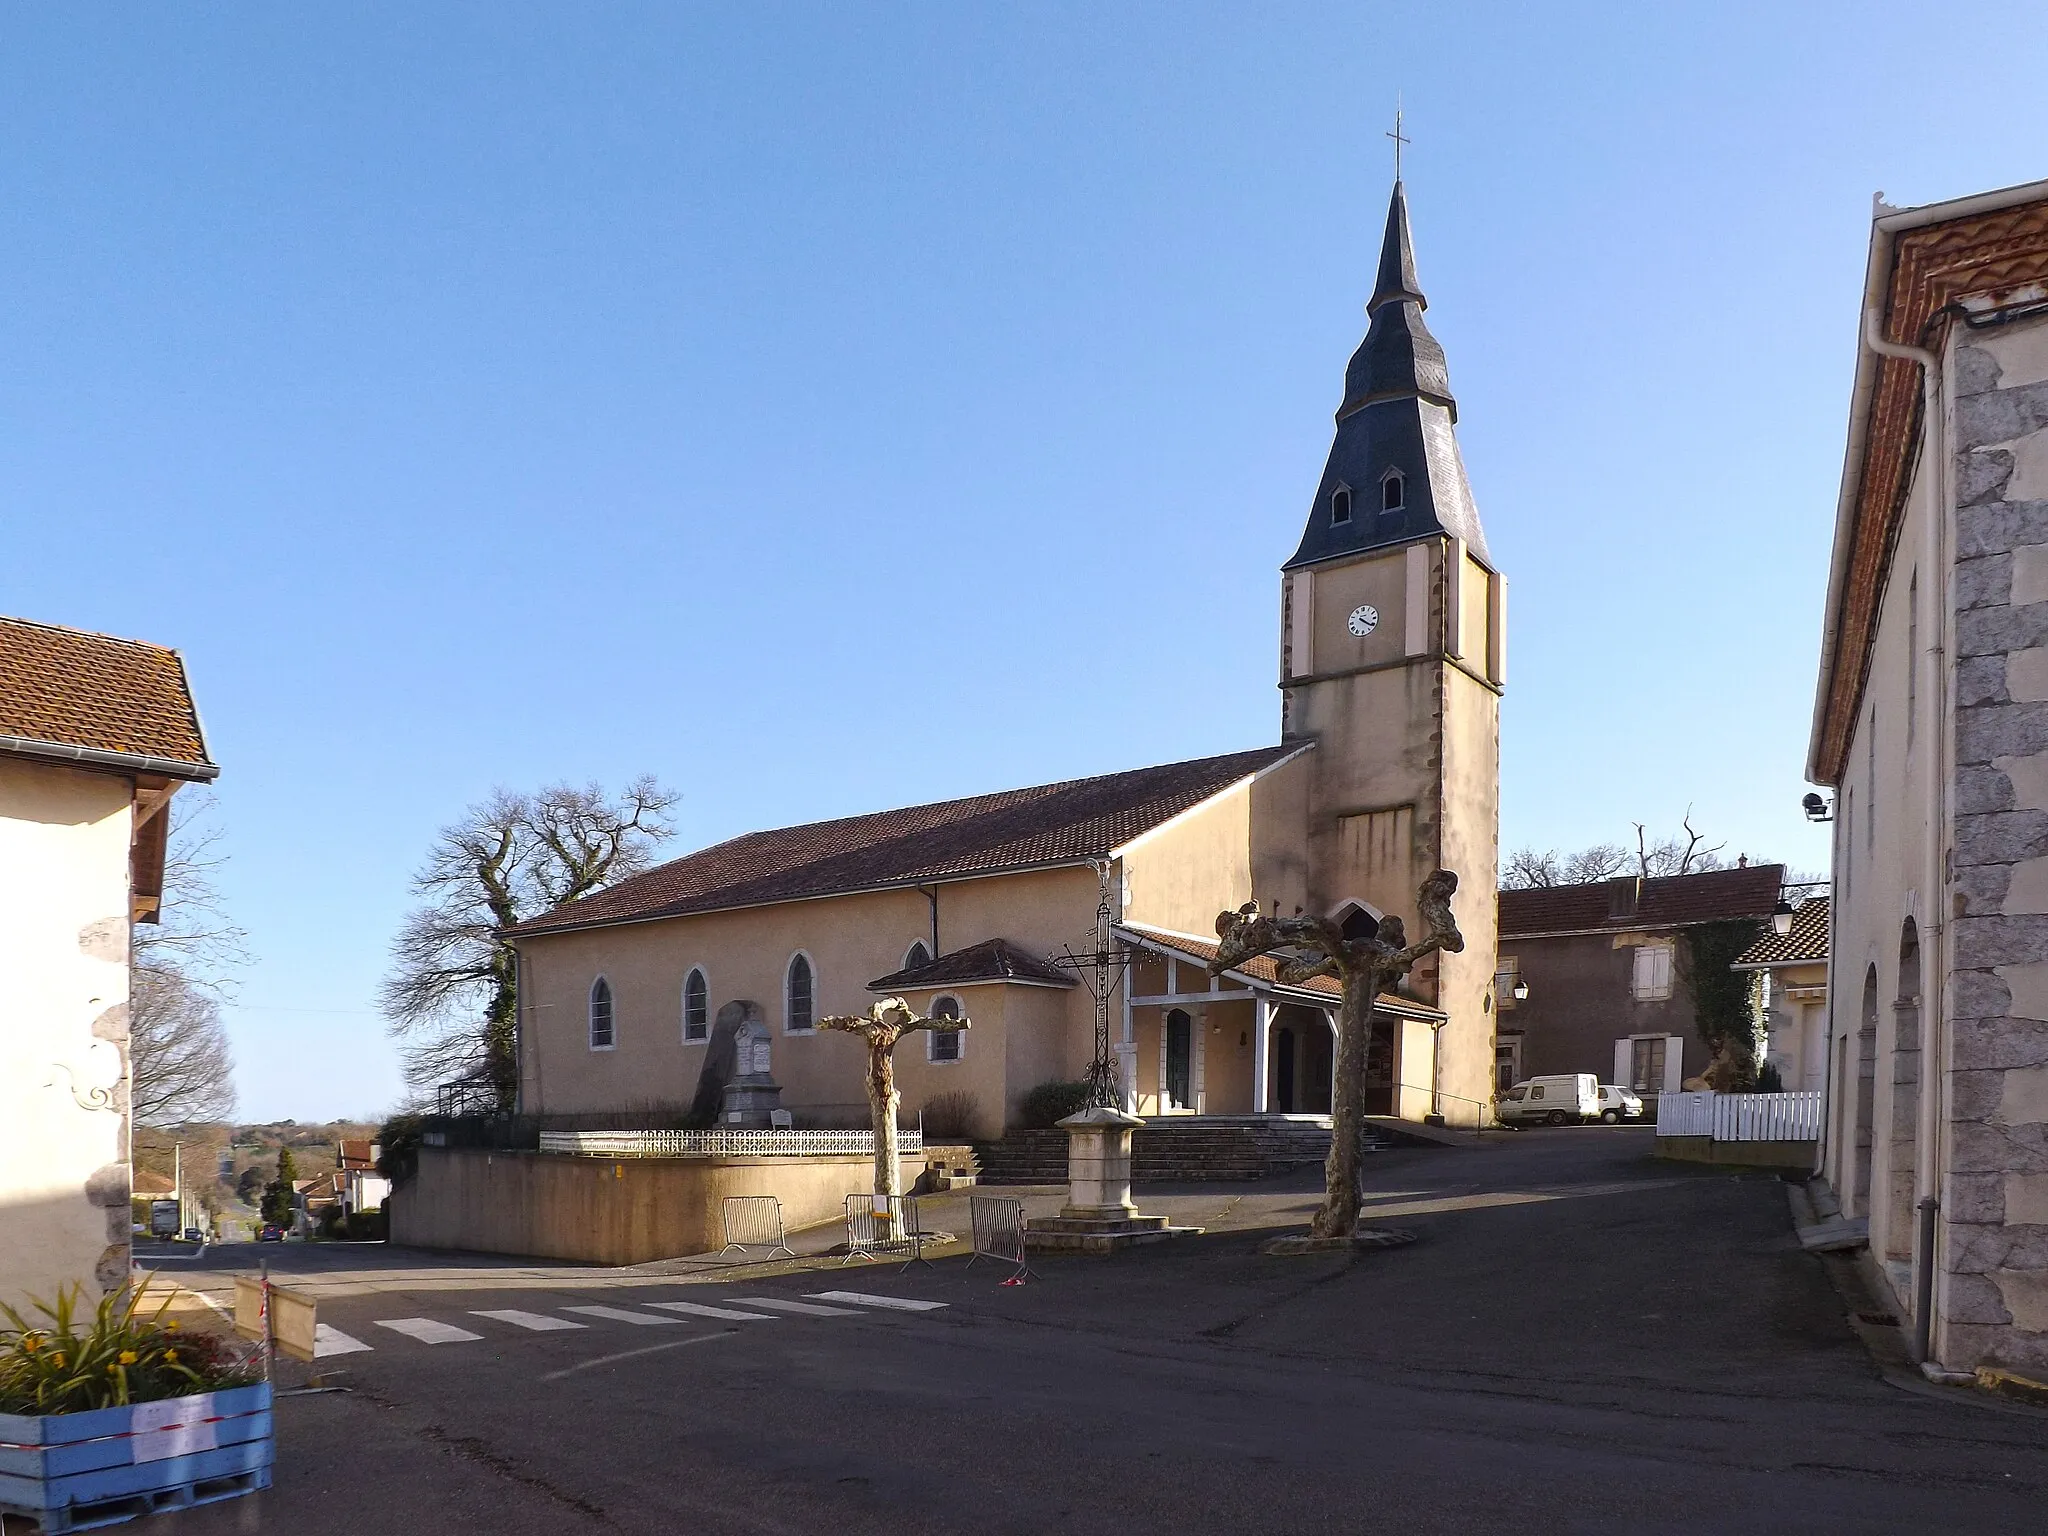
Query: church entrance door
[
  {"x": 1180, "y": 1058},
  {"x": 1283, "y": 1069},
  {"x": 1317, "y": 1074}
]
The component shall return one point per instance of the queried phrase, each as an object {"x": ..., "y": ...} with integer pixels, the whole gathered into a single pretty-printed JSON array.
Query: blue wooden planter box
[{"x": 78, "y": 1471}]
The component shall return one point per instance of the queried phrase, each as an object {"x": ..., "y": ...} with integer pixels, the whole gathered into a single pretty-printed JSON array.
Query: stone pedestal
[
  {"x": 751, "y": 1102},
  {"x": 1099, "y": 1216}
]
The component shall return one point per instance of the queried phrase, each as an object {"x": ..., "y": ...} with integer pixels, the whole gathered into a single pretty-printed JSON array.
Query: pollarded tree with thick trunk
[
  {"x": 882, "y": 1026},
  {"x": 1307, "y": 947}
]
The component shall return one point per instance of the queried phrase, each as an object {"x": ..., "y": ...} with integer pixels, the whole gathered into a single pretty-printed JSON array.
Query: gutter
[{"x": 97, "y": 757}]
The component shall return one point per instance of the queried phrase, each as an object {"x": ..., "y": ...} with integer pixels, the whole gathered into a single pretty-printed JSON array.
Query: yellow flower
[
  {"x": 31, "y": 1343},
  {"x": 127, "y": 1357},
  {"x": 57, "y": 1359},
  {"x": 171, "y": 1355},
  {"x": 171, "y": 1326}
]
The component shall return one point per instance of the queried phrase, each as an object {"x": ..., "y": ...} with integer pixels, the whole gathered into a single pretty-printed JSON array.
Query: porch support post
[
  {"x": 1127, "y": 1056},
  {"x": 1262, "y": 1050}
]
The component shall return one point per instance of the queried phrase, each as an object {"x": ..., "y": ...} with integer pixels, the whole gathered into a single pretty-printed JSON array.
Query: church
[{"x": 1388, "y": 766}]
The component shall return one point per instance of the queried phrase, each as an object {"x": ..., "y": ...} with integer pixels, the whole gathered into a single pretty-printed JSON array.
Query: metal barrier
[
  {"x": 753, "y": 1221},
  {"x": 878, "y": 1224},
  {"x": 999, "y": 1233},
  {"x": 723, "y": 1143}
]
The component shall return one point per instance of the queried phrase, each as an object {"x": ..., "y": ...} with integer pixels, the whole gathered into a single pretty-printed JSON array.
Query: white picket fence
[
  {"x": 723, "y": 1143},
  {"x": 1741, "y": 1116}
]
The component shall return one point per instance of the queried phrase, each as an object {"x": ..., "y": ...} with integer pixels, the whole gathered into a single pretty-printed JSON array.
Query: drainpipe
[{"x": 1928, "y": 1168}]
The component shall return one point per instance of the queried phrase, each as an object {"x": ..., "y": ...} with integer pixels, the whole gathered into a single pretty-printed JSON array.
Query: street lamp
[
  {"x": 1816, "y": 808},
  {"x": 1521, "y": 990},
  {"x": 1781, "y": 917}
]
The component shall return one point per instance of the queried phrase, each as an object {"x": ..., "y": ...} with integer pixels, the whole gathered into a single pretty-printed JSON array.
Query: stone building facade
[{"x": 1931, "y": 724}]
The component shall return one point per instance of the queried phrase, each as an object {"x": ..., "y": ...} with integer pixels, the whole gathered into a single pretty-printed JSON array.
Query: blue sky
[{"x": 828, "y": 408}]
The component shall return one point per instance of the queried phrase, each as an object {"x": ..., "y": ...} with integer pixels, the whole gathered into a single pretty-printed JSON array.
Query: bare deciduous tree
[
  {"x": 1307, "y": 947},
  {"x": 1651, "y": 857},
  {"x": 180, "y": 1068},
  {"x": 452, "y": 992}
]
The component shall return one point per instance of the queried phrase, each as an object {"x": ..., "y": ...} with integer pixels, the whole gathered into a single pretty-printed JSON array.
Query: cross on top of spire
[{"x": 1398, "y": 139}]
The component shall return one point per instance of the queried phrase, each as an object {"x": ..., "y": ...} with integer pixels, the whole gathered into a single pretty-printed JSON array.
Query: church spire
[{"x": 1394, "y": 471}]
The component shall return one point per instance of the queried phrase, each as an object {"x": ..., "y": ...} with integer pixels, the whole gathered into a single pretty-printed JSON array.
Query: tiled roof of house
[
  {"x": 66, "y": 692},
  {"x": 1050, "y": 824},
  {"x": 356, "y": 1154},
  {"x": 1628, "y": 905},
  {"x": 1266, "y": 969},
  {"x": 990, "y": 960},
  {"x": 1806, "y": 944}
]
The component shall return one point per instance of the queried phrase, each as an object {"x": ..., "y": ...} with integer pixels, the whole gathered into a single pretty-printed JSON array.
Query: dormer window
[
  {"x": 1340, "y": 504},
  {"x": 1393, "y": 491}
]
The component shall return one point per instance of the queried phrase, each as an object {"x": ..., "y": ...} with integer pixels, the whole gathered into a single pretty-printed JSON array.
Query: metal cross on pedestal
[{"x": 1101, "y": 970}]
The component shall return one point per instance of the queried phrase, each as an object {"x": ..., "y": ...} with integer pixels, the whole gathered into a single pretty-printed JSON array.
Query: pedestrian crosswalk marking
[
  {"x": 890, "y": 1303},
  {"x": 427, "y": 1331},
  {"x": 329, "y": 1340},
  {"x": 805, "y": 1308},
  {"x": 538, "y": 1322},
  {"x": 727, "y": 1314},
  {"x": 621, "y": 1315}
]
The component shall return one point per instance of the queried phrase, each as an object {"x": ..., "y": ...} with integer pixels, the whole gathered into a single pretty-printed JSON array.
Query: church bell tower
[{"x": 1392, "y": 664}]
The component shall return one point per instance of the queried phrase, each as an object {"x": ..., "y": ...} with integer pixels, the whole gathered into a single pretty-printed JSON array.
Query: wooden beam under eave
[{"x": 148, "y": 847}]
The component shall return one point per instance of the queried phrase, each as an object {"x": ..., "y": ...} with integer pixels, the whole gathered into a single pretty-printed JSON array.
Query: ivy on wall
[{"x": 1727, "y": 1004}]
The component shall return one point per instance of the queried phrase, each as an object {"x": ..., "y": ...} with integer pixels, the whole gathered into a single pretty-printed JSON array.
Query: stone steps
[{"x": 1163, "y": 1152}]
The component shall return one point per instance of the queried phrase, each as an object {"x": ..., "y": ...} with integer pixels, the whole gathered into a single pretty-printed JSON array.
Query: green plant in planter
[{"x": 116, "y": 1356}]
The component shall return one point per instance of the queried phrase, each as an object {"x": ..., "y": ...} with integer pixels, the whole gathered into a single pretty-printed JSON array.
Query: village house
[
  {"x": 1591, "y": 977},
  {"x": 1794, "y": 966},
  {"x": 1391, "y": 668},
  {"x": 1931, "y": 727},
  {"x": 96, "y": 734}
]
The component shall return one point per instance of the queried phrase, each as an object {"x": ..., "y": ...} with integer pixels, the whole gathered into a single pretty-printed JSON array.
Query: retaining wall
[{"x": 604, "y": 1210}]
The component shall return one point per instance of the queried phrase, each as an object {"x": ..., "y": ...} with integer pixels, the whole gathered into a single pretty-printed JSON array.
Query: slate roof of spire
[
  {"x": 1397, "y": 415},
  {"x": 1038, "y": 828}
]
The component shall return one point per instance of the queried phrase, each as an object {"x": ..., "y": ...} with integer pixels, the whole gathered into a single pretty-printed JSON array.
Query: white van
[{"x": 1569, "y": 1098}]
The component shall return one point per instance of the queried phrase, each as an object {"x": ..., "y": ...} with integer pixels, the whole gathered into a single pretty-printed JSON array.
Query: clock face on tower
[{"x": 1364, "y": 620}]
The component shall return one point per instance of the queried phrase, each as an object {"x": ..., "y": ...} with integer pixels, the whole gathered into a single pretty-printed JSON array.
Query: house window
[
  {"x": 1653, "y": 973},
  {"x": 943, "y": 1045},
  {"x": 797, "y": 993},
  {"x": 1340, "y": 505},
  {"x": 696, "y": 1006},
  {"x": 917, "y": 956},
  {"x": 1646, "y": 1064},
  {"x": 602, "y": 1036},
  {"x": 1508, "y": 971},
  {"x": 1393, "y": 492}
]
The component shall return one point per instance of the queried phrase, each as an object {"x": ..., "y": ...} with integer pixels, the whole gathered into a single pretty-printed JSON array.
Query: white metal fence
[
  {"x": 1741, "y": 1116},
  {"x": 723, "y": 1143}
]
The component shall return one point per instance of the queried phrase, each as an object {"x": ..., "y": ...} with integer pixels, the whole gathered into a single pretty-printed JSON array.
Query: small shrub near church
[
  {"x": 1049, "y": 1103},
  {"x": 949, "y": 1116}
]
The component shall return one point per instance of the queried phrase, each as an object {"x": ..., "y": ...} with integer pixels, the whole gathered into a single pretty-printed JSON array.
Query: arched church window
[
  {"x": 1393, "y": 492},
  {"x": 602, "y": 1036},
  {"x": 944, "y": 1044},
  {"x": 1340, "y": 505},
  {"x": 917, "y": 956},
  {"x": 798, "y": 1014},
  {"x": 696, "y": 1006}
]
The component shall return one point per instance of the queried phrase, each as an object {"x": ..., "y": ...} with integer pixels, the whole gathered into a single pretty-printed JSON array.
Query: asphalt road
[{"x": 1581, "y": 1340}]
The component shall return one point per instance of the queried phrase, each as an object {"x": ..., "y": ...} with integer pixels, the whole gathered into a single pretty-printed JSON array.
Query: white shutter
[
  {"x": 1623, "y": 1064},
  {"x": 1674, "y": 1062}
]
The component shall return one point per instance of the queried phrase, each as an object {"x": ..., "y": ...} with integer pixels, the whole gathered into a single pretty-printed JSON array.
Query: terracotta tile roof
[
  {"x": 1265, "y": 968},
  {"x": 1806, "y": 944},
  {"x": 1665, "y": 901},
  {"x": 68, "y": 689},
  {"x": 990, "y": 960},
  {"x": 355, "y": 1154},
  {"x": 1017, "y": 829}
]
